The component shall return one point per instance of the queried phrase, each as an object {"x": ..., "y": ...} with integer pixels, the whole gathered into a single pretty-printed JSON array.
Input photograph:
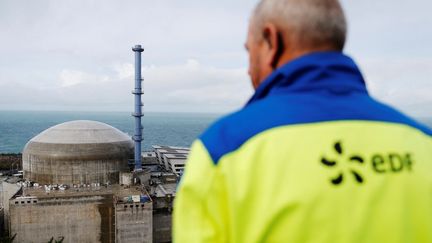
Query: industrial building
[
  {"x": 176, "y": 162},
  {"x": 171, "y": 158},
  {"x": 77, "y": 152},
  {"x": 162, "y": 190},
  {"x": 71, "y": 188},
  {"x": 77, "y": 184},
  {"x": 81, "y": 215}
]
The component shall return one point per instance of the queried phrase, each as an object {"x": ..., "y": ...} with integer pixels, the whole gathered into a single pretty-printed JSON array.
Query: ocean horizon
[
  {"x": 170, "y": 128},
  {"x": 160, "y": 128}
]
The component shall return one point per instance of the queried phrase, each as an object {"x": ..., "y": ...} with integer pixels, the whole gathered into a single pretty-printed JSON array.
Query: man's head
[{"x": 282, "y": 30}]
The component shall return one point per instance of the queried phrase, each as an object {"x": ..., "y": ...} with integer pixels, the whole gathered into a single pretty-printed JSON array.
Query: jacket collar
[{"x": 332, "y": 71}]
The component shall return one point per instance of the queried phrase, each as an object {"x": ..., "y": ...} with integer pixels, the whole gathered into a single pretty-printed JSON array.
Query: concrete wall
[
  {"x": 79, "y": 219},
  {"x": 47, "y": 163},
  {"x": 7, "y": 191},
  {"x": 2, "y": 225},
  {"x": 126, "y": 178},
  {"x": 74, "y": 172},
  {"x": 162, "y": 224},
  {"x": 176, "y": 165},
  {"x": 134, "y": 222}
]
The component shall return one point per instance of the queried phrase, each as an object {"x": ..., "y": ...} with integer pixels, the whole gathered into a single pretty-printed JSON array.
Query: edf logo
[{"x": 380, "y": 163}]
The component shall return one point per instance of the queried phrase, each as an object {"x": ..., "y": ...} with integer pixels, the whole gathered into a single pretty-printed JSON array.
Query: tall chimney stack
[{"x": 138, "y": 107}]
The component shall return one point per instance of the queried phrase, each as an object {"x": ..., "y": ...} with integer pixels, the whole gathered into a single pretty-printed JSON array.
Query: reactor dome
[{"x": 77, "y": 152}]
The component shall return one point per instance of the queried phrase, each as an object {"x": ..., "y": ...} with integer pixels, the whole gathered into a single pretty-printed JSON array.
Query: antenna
[{"x": 137, "y": 137}]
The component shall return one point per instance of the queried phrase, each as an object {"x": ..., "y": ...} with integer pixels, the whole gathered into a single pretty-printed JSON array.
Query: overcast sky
[{"x": 76, "y": 54}]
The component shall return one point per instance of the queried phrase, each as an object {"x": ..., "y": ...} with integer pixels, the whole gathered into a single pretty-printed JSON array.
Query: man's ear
[{"x": 274, "y": 44}]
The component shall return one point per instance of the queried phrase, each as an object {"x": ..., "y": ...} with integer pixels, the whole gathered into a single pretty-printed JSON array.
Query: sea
[{"x": 174, "y": 129}]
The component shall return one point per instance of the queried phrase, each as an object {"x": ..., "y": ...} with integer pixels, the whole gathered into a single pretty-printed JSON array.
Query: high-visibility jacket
[{"x": 310, "y": 158}]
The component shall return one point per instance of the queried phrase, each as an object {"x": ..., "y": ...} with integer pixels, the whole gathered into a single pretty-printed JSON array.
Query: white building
[
  {"x": 175, "y": 162},
  {"x": 172, "y": 151}
]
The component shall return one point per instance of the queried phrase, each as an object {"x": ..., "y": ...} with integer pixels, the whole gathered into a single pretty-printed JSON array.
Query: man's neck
[{"x": 290, "y": 55}]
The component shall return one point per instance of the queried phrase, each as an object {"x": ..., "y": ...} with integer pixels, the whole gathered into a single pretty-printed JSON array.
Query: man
[{"x": 311, "y": 157}]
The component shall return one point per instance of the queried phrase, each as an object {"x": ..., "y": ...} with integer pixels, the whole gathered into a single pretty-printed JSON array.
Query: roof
[
  {"x": 176, "y": 156},
  {"x": 158, "y": 147},
  {"x": 81, "y": 132}
]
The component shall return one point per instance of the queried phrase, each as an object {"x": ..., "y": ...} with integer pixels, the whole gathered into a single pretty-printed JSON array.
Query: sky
[{"x": 76, "y": 54}]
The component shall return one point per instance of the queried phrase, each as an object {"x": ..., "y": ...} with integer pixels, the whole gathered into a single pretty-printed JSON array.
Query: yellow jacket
[{"x": 311, "y": 158}]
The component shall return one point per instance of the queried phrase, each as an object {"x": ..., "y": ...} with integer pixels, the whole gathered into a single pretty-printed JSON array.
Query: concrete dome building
[{"x": 77, "y": 152}]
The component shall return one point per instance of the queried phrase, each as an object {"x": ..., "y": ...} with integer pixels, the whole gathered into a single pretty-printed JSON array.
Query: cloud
[
  {"x": 193, "y": 59},
  {"x": 404, "y": 83},
  {"x": 191, "y": 85},
  {"x": 70, "y": 78},
  {"x": 187, "y": 87},
  {"x": 124, "y": 71}
]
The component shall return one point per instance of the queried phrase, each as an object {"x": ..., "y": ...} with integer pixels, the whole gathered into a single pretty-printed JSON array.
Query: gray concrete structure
[
  {"x": 162, "y": 226},
  {"x": 160, "y": 151},
  {"x": 76, "y": 219},
  {"x": 7, "y": 191},
  {"x": 77, "y": 152},
  {"x": 72, "y": 191},
  {"x": 65, "y": 190},
  {"x": 175, "y": 162},
  {"x": 162, "y": 191},
  {"x": 134, "y": 221},
  {"x": 2, "y": 222},
  {"x": 81, "y": 215}
]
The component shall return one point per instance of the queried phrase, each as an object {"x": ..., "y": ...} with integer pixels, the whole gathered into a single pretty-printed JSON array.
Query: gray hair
[{"x": 309, "y": 22}]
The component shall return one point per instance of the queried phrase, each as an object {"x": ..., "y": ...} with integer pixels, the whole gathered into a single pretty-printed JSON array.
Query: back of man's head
[
  {"x": 282, "y": 30},
  {"x": 310, "y": 23}
]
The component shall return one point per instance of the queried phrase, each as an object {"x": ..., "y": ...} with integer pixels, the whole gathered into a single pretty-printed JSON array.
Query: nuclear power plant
[
  {"x": 86, "y": 181},
  {"x": 77, "y": 152}
]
